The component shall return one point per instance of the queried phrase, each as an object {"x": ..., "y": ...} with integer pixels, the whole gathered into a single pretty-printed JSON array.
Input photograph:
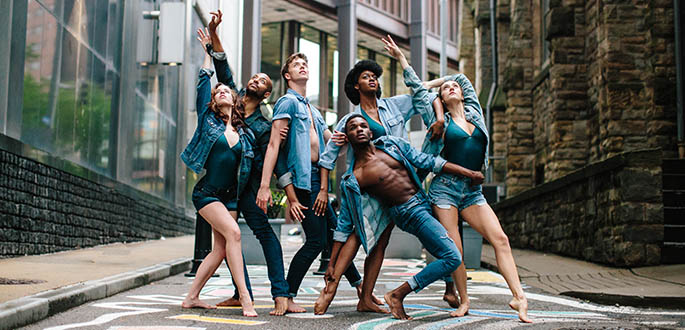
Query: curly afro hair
[{"x": 353, "y": 77}]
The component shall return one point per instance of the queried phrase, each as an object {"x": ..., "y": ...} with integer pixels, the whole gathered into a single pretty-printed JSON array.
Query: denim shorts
[
  {"x": 205, "y": 194},
  {"x": 455, "y": 190}
]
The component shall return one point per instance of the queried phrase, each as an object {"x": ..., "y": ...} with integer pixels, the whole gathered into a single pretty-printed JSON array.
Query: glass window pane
[
  {"x": 332, "y": 73},
  {"x": 309, "y": 44},
  {"x": 271, "y": 56},
  {"x": 386, "y": 78}
]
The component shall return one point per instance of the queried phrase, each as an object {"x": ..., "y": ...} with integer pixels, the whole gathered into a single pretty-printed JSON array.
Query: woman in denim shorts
[
  {"x": 465, "y": 142},
  {"x": 223, "y": 146}
]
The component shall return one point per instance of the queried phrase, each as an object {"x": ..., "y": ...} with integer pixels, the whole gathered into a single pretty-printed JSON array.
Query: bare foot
[
  {"x": 280, "y": 305},
  {"x": 196, "y": 303},
  {"x": 325, "y": 298},
  {"x": 370, "y": 306},
  {"x": 373, "y": 297},
  {"x": 230, "y": 302},
  {"x": 294, "y": 307},
  {"x": 462, "y": 310},
  {"x": 451, "y": 299},
  {"x": 521, "y": 306},
  {"x": 248, "y": 307},
  {"x": 396, "y": 306}
]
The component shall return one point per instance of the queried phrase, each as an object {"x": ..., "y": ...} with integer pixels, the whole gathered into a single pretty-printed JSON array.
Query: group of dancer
[{"x": 241, "y": 150}]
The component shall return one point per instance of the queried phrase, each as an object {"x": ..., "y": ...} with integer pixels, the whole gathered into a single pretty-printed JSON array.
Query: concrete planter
[
  {"x": 473, "y": 246},
  {"x": 403, "y": 245},
  {"x": 252, "y": 250}
]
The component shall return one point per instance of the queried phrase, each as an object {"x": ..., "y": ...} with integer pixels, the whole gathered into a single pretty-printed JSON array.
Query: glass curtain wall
[
  {"x": 71, "y": 74},
  {"x": 79, "y": 105}
]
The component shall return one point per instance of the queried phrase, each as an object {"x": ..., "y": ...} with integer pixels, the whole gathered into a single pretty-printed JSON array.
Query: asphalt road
[{"x": 157, "y": 306}]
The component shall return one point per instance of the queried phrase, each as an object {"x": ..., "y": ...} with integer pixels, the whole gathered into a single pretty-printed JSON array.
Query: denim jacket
[
  {"x": 371, "y": 219},
  {"x": 293, "y": 107},
  {"x": 256, "y": 122},
  {"x": 472, "y": 110},
  {"x": 209, "y": 129},
  {"x": 394, "y": 112}
]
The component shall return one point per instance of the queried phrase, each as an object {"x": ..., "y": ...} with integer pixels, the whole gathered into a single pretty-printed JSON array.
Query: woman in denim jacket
[
  {"x": 465, "y": 142},
  {"x": 223, "y": 146}
]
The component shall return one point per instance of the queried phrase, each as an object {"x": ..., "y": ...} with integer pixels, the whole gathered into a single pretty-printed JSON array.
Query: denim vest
[
  {"x": 293, "y": 107},
  {"x": 472, "y": 111},
  {"x": 209, "y": 129},
  {"x": 370, "y": 218},
  {"x": 394, "y": 112}
]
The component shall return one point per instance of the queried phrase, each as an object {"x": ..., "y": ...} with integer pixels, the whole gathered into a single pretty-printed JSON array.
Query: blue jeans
[
  {"x": 315, "y": 228},
  {"x": 415, "y": 217},
  {"x": 258, "y": 222},
  {"x": 454, "y": 190}
]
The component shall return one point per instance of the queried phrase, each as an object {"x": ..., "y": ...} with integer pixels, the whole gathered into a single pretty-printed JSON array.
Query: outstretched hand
[
  {"x": 203, "y": 37},
  {"x": 216, "y": 19},
  {"x": 392, "y": 48}
]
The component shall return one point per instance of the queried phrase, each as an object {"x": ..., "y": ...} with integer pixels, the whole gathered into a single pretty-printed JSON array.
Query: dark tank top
[
  {"x": 222, "y": 164},
  {"x": 376, "y": 128},
  {"x": 464, "y": 149}
]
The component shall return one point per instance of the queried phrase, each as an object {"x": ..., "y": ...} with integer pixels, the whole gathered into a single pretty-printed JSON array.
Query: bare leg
[
  {"x": 345, "y": 257},
  {"x": 395, "y": 300},
  {"x": 224, "y": 224},
  {"x": 449, "y": 218},
  {"x": 208, "y": 266},
  {"x": 230, "y": 302},
  {"x": 483, "y": 220},
  {"x": 372, "y": 267}
]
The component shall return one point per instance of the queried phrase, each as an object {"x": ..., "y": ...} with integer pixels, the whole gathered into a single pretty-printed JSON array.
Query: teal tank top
[
  {"x": 376, "y": 128},
  {"x": 222, "y": 164},
  {"x": 464, "y": 149}
]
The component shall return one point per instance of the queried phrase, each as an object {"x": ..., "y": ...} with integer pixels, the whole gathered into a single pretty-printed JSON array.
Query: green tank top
[
  {"x": 464, "y": 149},
  {"x": 376, "y": 128},
  {"x": 222, "y": 164}
]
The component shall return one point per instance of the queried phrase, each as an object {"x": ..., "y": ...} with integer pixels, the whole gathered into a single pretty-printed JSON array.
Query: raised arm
[
  {"x": 204, "y": 85},
  {"x": 470, "y": 96},
  {"x": 223, "y": 70},
  {"x": 436, "y": 164}
]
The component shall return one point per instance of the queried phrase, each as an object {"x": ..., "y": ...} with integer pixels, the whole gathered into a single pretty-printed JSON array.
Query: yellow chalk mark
[
  {"x": 215, "y": 319},
  {"x": 255, "y": 306},
  {"x": 487, "y": 277}
]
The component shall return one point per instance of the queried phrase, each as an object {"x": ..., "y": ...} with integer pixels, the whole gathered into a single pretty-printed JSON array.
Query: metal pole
[
  {"x": 679, "y": 78},
  {"x": 493, "y": 85},
  {"x": 443, "y": 38}
]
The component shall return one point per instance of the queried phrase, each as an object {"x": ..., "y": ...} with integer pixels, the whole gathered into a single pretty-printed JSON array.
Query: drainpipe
[
  {"x": 679, "y": 78},
  {"x": 493, "y": 86}
]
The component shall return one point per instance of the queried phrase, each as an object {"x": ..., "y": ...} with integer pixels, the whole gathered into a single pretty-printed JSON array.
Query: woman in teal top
[
  {"x": 223, "y": 146},
  {"x": 465, "y": 143}
]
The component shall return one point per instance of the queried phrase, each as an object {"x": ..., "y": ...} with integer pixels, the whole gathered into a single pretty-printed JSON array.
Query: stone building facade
[{"x": 580, "y": 82}]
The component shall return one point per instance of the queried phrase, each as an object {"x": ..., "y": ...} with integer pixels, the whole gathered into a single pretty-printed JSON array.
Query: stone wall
[
  {"x": 608, "y": 212},
  {"x": 45, "y": 210}
]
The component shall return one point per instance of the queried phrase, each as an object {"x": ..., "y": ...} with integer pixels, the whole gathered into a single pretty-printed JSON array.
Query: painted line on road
[
  {"x": 386, "y": 322},
  {"x": 221, "y": 320}
]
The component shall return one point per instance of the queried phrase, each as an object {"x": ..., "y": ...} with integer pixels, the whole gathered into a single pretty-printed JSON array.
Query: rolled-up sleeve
[
  {"x": 330, "y": 153},
  {"x": 439, "y": 164},
  {"x": 284, "y": 108},
  {"x": 344, "y": 228}
]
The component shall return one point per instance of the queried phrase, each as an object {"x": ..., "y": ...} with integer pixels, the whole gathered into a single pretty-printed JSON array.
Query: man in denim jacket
[
  {"x": 302, "y": 148},
  {"x": 258, "y": 88},
  {"x": 384, "y": 169}
]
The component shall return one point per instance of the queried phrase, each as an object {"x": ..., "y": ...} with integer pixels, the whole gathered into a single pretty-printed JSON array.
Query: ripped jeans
[{"x": 415, "y": 217}]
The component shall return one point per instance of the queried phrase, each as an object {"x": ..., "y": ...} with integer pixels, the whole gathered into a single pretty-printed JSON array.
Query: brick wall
[
  {"x": 608, "y": 212},
  {"x": 45, "y": 210}
]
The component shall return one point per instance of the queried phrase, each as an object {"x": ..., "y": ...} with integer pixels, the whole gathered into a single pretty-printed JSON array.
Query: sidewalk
[
  {"x": 656, "y": 286},
  {"x": 59, "y": 281}
]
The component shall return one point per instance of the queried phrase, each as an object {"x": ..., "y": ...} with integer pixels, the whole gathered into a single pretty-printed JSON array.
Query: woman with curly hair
[{"x": 223, "y": 146}]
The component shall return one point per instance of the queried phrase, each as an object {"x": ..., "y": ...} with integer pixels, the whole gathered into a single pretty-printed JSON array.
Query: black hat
[{"x": 353, "y": 77}]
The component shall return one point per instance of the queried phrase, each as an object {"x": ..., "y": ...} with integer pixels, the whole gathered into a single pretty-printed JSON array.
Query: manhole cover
[{"x": 16, "y": 281}]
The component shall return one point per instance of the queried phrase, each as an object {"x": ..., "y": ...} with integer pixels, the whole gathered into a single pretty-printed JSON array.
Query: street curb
[
  {"x": 613, "y": 299},
  {"x": 19, "y": 312}
]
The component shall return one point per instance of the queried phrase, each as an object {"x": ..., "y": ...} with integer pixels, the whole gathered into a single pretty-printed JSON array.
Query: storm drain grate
[{"x": 17, "y": 281}]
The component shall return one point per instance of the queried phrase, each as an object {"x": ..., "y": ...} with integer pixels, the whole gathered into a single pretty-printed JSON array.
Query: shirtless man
[{"x": 384, "y": 169}]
